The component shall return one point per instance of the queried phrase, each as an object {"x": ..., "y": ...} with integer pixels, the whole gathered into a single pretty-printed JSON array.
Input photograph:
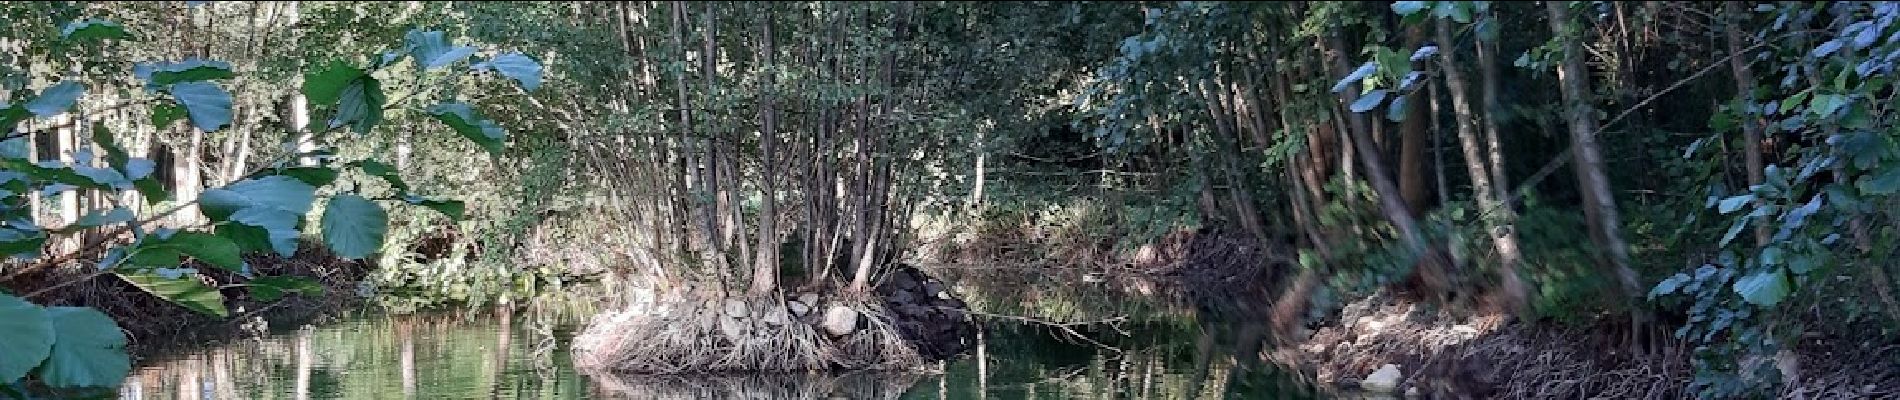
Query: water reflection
[
  {"x": 462, "y": 355},
  {"x": 1173, "y": 350}
]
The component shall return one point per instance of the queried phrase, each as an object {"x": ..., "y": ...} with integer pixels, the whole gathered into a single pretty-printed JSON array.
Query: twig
[{"x": 1065, "y": 327}]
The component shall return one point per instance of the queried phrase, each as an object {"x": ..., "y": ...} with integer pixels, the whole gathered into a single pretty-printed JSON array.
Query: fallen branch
[{"x": 1065, "y": 327}]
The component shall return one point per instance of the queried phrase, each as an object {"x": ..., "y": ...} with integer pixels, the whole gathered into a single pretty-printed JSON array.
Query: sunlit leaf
[
  {"x": 56, "y": 100},
  {"x": 1407, "y": 8},
  {"x": 1368, "y": 101},
  {"x": 462, "y": 118},
  {"x": 326, "y": 87},
  {"x": 93, "y": 29},
  {"x": 191, "y": 70},
  {"x": 432, "y": 49},
  {"x": 523, "y": 70},
  {"x": 208, "y": 105},
  {"x": 1364, "y": 71},
  {"x": 360, "y": 105}
]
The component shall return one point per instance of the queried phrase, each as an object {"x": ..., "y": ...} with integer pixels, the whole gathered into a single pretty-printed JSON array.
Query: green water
[{"x": 524, "y": 354}]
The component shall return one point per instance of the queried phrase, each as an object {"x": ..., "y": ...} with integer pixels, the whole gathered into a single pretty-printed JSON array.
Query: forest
[{"x": 1192, "y": 199}]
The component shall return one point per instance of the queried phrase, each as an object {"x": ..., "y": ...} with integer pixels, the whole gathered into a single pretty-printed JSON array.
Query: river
[{"x": 490, "y": 353}]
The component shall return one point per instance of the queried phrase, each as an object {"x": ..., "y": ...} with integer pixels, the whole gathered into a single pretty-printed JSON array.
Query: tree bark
[
  {"x": 1573, "y": 79},
  {"x": 1502, "y": 232},
  {"x": 1745, "y": 90},
  {"x": 765, "y": 266},
  {"x": 1412, "y": 137},
  {"x": 1390, "y": 201}
]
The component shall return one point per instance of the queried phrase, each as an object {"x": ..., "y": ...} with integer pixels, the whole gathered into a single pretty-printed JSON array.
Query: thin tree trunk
[
  {"x": 1390, "y": 201},
  {"x": 1745, "y": 89},
  {"x": 1573, "y": 78},
  {"x": 765, "y": 266},
  {"x": 1412, "y": 137},
  {"x": 1503, "y": 234}
]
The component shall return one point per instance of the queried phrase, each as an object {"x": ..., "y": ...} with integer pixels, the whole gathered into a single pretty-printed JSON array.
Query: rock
[
  {"x": 774, "y": 317},
  {"x": 798, "y": 308},
  {"x": 736, "y": 308},
  {"x": 1384, "y": 380},
  {"x": 841, "y": 320},
  {"x": 731, "y": 327}
]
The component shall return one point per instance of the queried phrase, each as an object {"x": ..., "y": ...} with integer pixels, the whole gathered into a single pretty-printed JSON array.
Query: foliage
[{"x": 265, "y": 211}]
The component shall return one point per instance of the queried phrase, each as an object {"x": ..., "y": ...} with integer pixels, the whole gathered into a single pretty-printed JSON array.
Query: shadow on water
[{"x": 1171, "y": 349}]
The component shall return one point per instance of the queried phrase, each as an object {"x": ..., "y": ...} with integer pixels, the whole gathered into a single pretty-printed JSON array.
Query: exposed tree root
[{"x": 691, "y": 333}]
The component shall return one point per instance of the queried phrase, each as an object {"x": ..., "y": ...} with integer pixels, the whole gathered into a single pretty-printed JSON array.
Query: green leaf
[
  {"x": 462, "y": 118},
  {"x": 208, "y": 105},
  {"x": 21, "y": 244},
  {"x": 165, "y": 251},
  {"x": 1729, "y": 205},
  {"x": 1407, "y": 8},
  {"x": 56, "y": 100},
  {"x": 1668, "y": 286},
  {"x": 93, "y": 29},
  {"x": 1789, "y": 104},
  {"x": 360, "y": 105},
  {"x": 272, "y": 192},
  {"x": 271, "y": 288},
  {"x": 1823, "y": 105},
  {"x": 276, "y": 229},
  {"x": 1369, "y": 101},
  {"x": 152, "y": 190},
  {"x": 381, "y": 170},
  {"x": 98, "y": 218},
  {"x": 1396, "y": 111},
  {"x": 115, "y": 155},
  {"x": 185, "y": 290},
  {"x": 354, "y": 226},
  {"x": 90, "y": 351},
  {"x": 1884, "y": 181},
  {"x": 163, "y": 115},
  {"x": 1733, "y": 230},
  {"x": 1763, "y": 289},
  {"x": 315, "y": 176},
  {"x": 432, "y": 49},
  {"x": 454, "y": 209},
  {"x": 26, "y": 336},
  {"x": 192, "y": 70},
  {"x": 326, "y": 87},
  {"x": 523, "y": 70}
]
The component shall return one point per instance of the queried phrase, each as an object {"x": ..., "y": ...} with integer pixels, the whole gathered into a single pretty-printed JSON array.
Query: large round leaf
[
  {"x": 90, "y": 351},
  {"x": 25, "y": 337},
  {"x": 354, "y": 226}
]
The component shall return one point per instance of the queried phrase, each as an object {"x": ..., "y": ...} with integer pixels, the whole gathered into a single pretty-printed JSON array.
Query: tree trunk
[
  {"x": 1412, "y": 136},
  {"x": 1390, "y": 201},
  {"x": 765, "y": 266},
  {"x": 1745, "y": 90},
  {"x": 1573, "y": 78},
  {"x": 1502, "y": 231}
]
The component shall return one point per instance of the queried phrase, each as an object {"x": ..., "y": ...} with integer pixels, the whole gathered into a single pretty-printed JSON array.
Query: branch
[{"x": 1065, "y": 327}]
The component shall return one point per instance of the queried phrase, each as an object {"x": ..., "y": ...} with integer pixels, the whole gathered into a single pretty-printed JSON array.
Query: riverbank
[
  {"x": 152, "y": 324},
  {"x": 1439, "y": 355}
]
